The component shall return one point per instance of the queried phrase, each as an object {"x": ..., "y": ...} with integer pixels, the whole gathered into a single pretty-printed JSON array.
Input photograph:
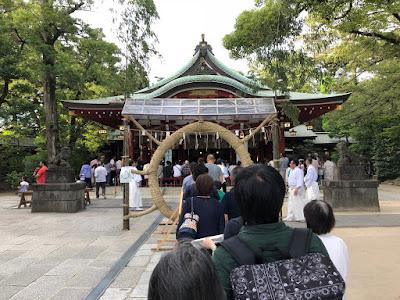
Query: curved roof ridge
[
  {"x": 199, "y": 78},
  {"x": 234, "y": 74},
  {"x": 172, "y": 77}
]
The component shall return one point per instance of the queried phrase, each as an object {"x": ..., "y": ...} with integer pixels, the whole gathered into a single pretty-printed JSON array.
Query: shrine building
[{"x": 206, "y": 88}]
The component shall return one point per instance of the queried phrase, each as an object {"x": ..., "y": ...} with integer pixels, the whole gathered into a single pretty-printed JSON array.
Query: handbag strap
[{"x": 192, "y": 208}]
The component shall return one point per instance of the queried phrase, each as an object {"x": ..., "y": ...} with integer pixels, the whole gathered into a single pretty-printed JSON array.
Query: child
[
  {"x": 23, "y": 186},
  {"x": 218, "y": 186}
]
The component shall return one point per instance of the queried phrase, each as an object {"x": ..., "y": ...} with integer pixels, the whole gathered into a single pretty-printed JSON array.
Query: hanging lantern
[
  {"x": 292, "y": 133},
  {"x": 168, "y": 133},
  {"x": 121, "y": 127},
  {"x": 143, "y": 133},
  {"x": 241, "y": 135},
  {"x": 237, "y": 132},
  {"x": 310, "y": 127},
  {"x": 287, "y": 124},
  {"x": 102, "y": 131}
]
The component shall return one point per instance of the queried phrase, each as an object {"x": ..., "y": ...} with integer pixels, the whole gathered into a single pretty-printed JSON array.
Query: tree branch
[
  {"x": 21, "y": 40},
  {"x": 346, "y": 13},
  {"x": 377, "y": 35},
  {"x": 5, "y": 92},
  {"x": 74, "y": 8}
]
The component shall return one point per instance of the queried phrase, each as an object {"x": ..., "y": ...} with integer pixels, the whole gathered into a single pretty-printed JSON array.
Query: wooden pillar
[
  {"x": 281, "y": 140},
  {"x": 275, "y": 146},
  {"x": 127, "y": 148},
  {"x": 131, "y": 144}
]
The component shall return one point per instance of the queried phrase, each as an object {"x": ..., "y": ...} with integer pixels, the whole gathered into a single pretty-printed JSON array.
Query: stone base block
[
  {"x": 352, "y": 195},
  {"x": 58, "y": 197},
  {"x": 60, "y": 176}
]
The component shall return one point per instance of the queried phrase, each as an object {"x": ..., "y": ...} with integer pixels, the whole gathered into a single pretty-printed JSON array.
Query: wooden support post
[
  {"x": 275, "y": 145},
  {"x": 176, "y": 216},
  {"x": 125, "y": 203}
]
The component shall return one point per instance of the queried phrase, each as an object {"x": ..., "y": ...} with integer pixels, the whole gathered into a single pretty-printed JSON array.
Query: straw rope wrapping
[{"x": 200, "y": 126}]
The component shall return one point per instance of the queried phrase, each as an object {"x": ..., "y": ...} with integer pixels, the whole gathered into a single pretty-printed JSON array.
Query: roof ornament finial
[{"x": 202, "y": 37}]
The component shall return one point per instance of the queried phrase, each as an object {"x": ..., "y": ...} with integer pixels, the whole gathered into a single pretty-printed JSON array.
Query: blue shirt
[{"x": 211, "y": 217}]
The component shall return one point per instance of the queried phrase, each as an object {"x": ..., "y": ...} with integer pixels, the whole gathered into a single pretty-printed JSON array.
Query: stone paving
[{"x": 64, "y": 256}]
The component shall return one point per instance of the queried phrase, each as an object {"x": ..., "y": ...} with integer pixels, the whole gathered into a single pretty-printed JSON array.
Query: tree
[
  {"x": 354, "y": 46},
  {"x": 49, "y": 27}
]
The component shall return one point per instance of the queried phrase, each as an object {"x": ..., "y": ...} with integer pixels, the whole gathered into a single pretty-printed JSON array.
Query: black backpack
[{"x": 302, "y": 275}]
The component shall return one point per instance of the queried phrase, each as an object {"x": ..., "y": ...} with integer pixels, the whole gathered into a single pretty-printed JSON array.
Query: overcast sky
[{"x": 179, "y": 30}]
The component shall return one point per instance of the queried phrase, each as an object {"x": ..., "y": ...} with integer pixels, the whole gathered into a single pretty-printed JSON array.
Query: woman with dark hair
[
  {"x": 320, "y": 218},
  {"x": 211, "y": 217},
  {"x": 185, "y": 273}
]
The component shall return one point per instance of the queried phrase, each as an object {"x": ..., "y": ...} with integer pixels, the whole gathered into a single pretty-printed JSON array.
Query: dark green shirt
[{"x": 275, "y": 235}]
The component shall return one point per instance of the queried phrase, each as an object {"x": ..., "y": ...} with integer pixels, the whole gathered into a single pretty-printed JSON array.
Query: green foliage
[
  {"x": 349, "y": 46},
  {"x": 304, "y": 148},
  {"x": 45, "y": 40},
  {"x": 14, "y": 178}
]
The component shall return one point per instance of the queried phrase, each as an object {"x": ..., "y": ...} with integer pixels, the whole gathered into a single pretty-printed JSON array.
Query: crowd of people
[{"x": 251, "y": 211}]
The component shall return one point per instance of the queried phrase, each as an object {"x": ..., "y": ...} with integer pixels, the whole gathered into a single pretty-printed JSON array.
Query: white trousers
[
  {"x": 312, "y": 192},
  {"x": 135, "y": 199},
  {"x": 295, "y": 206}
]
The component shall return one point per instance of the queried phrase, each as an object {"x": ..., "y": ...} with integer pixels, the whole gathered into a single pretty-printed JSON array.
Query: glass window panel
[
  {"x": 152, "y": 110},
  {"x": 153, "y": 102},
  {"x": 227, "y": 110},
  {"x": 189, "y": 110},
  {"x": 263, "y": 101},
  {"x": 208, "y": 110},
  {"x": 226, "y": 102},
  {"x": 208, "y": 102},
  {"x": 171, "y": 102},
  {"x": 170, "y": 110},
  {"x": 244, "y": 102},
  {"x": 263, "y": 109},
  {"x": 190, "y": 102},
  {"x": 135, "y": 101},
  {"x": 246, "y": 110}
]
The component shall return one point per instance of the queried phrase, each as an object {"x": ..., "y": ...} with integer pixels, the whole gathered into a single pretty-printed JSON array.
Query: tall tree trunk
[
  {"x": 50, "y": 106},
  {"x": 49, "y": 86}
]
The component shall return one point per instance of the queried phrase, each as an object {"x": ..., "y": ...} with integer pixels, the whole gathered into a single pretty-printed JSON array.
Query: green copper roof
[
  {"x": 176, "y": 75},
  {"x": 197, "y": 78},
  {"x": 234, "y": 74}
]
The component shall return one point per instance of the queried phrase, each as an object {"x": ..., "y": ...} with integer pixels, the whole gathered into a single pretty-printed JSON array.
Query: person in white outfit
[
  {"x": 320, "y": 218},
  {"x": 310, "y": 180},
  {"x": 296, "y": 193},
  {"x": 135, "y": 199},
  {"x": 328, "y": 169}
]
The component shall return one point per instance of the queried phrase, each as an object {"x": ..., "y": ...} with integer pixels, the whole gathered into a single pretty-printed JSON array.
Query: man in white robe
[
  {"x": 135, "y": 199},
  {"x": 296, "y": 193},
  {"x": 310, "y": 180}
]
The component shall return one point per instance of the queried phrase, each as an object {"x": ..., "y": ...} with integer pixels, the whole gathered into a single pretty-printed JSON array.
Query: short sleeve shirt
[{"x": 42, "y": 175}]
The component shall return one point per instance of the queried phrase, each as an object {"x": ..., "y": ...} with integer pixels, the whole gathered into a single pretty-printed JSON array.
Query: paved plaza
[{"x": 87, "y": 255}]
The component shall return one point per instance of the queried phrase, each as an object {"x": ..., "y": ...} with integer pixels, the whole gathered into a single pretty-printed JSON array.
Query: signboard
[
  {"x": 125, "y": 175},
  {"x": 168, "y": 157}
]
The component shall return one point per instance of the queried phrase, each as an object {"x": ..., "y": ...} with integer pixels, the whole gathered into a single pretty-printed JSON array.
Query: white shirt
[
  {"x": 136, "y": 177},
  {"x": 337, "y": 251},
  {"x": 100, "y": 173},
  {"x": 311, "y": 176},
  {"x": 118, "y": 164},
  {"x": 112, "y": 162},
  {"x": 272, "y": 163},
  {"x": 177, "y": 171},
  {"x": 296, "y": 178}
]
